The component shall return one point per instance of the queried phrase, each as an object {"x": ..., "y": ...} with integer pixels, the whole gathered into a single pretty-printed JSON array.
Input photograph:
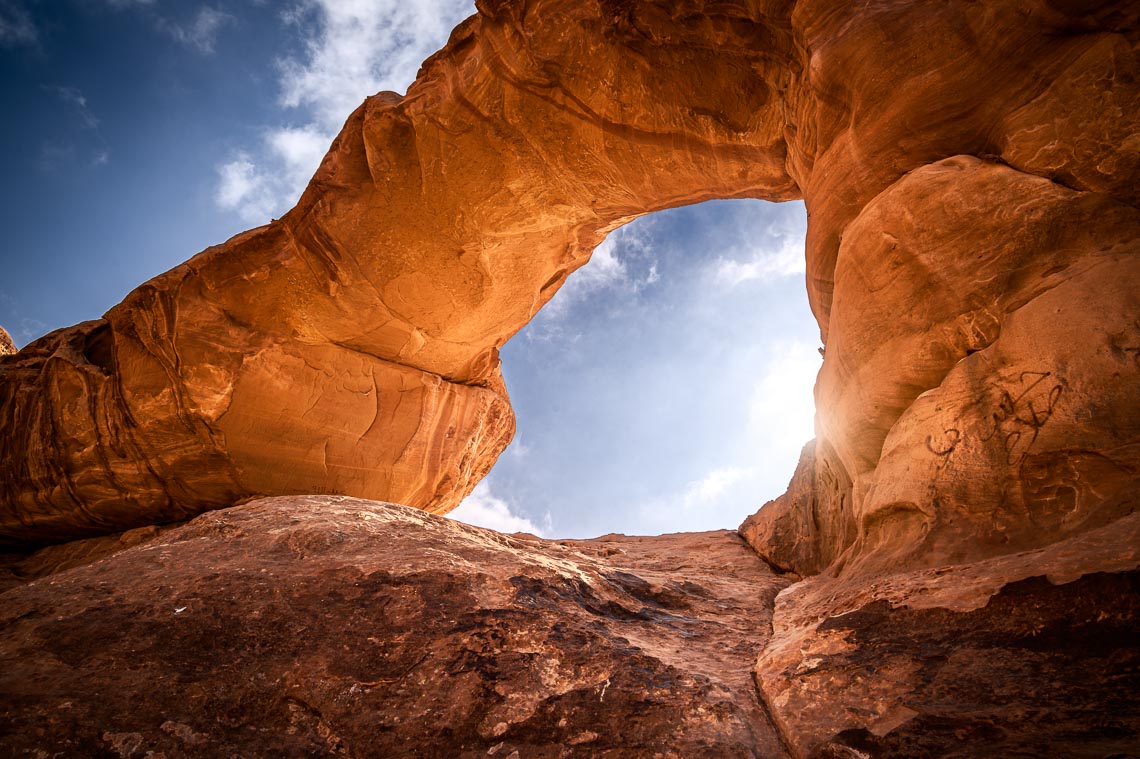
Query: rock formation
[
  {"x": 7, "y": 347},
  {"x": 351, "y": 347},
  {"x": 314, "y": 626},
  {"x": 971, "y": 176},
  {"x": 329, "y": 626}
]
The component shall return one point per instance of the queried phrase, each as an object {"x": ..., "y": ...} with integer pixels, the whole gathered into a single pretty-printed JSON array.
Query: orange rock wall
[
  {"x": 351, "y": 347},
  {"x": 970, "y": 176}
]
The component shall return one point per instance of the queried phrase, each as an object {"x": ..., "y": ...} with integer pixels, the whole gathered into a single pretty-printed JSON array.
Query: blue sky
[{"x": 667, "y": 387}]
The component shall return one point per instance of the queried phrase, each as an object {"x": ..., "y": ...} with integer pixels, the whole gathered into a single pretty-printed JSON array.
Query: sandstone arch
[{"x": 970, "y": 175}]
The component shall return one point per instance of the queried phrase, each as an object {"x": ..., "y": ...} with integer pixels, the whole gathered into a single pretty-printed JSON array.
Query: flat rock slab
[
  {"x": 1041, "y": 670},
  {"x": 334, "y": 626}
]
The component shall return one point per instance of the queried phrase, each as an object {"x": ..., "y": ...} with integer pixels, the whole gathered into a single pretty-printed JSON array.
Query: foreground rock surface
[
  {"x": 1031, "y": 653},
  {"x": 332, "y": 626}
]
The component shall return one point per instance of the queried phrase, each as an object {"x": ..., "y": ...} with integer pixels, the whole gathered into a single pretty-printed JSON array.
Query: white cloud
[
  {"x": 724, "y": 492},
  {"x": 350, "y": 49},
  {"x": 242, "y": 188},
  {"x": 200, "y": 34},
  {"x": 617, "y": 266},
  {"x": 784, "y": 258},
  {"x": 517, "y": 449},
  {"x": 604, "y": 271},
  {"x": 363, "y": 46},
  {"x": 299, "y": 150},
  {"x": 16, "y": 27},
  {"x": 484, "y": 509},
  {"x": 715, "y": 485}
]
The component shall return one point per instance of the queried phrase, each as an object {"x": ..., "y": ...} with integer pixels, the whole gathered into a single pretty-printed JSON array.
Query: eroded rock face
[
  {"x": 959, "y": 193},
  {"x": 1026, "y": 654},
  {"x": 331, "y": 626},
  {"x": 351, "y": 347},
  {"x": 7, "y": 347},
  {"x": 970, "y": 172}
]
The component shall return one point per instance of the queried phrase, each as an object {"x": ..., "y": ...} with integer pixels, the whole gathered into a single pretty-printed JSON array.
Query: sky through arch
[{"x": 668, "y": 386}]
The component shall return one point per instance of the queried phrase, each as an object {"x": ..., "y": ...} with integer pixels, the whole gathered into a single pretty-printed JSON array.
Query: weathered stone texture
[
  {"x": 7, "y": 347},
  {"x": 324, "y": 626},
  {"x": 971, "y": 176},
  {"x": 955, "y": 190}
]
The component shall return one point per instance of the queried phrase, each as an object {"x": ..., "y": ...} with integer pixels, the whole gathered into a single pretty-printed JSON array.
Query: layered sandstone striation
[{"x": 971, "y": 176}]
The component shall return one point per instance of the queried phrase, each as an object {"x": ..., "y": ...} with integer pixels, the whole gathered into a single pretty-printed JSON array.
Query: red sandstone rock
[
  {"x": 351, "y": 346},
  {"x": 970, "y": 172},
  {"x": 330, "y": 626},
  {"x": 1029, "y": 653}
]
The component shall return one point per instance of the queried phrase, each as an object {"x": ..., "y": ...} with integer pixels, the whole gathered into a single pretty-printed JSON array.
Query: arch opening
[{"x": 667, "y": 387}]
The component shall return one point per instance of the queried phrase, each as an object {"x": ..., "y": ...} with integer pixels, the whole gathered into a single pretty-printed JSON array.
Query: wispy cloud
[
  {"x": 89, "y": 149},
  {"x": 350, "y": 49},
  {"x": 623, "y": 265},
  {"x": 605, "y": 271},
  {"x": 714, "y": 485},
  {"x": 56, "y": 155},
  {"x": 242, "y": 188},
  {"x": 780, "y": 257},
  {"x": 78, "y": 102},
  {"x": 200, "y": 34},
  {"x": 485, "y": 509},
  {"x": 16, "y": 27},
  {"x": 719, "y": 491}
]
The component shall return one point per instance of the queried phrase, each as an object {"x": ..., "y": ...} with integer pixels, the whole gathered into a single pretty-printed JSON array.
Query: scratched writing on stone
[
  {"x": 946, "y": 445},
  {"x": 1022, "y": 410}
]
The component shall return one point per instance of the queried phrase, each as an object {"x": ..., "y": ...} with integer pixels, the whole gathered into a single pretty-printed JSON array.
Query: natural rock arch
[
  {"x": 963, "y": 531},
  {"x": 968, "y": 200}
]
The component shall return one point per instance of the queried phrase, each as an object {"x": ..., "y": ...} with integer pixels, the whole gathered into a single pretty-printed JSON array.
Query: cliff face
[{"x": 970, "y": 172}]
